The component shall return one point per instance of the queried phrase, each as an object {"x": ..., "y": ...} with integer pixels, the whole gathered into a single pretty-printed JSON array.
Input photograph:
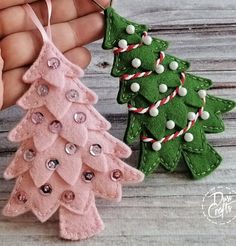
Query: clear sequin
[
  {"x": 95, "y": 149},
  {"x": 55, "y": 127},
  {"x": 37, "y": 118},
  {"x": 68, "y": 196},
  {"x": 21, "y": 197},
  {"x": 46, "y": 189},
  {"x": 88, "y": 176},
  {"x": 52, "y": 164},
  {"x": 70, "y": 148},
  {"x": 54, "y": 63},
  {"x": 116, "y": 175},
  {"x": 43, "y": 90},
  {"x": 80, "y": 117},
  {"x": 29, "y": 155},
  {"x": 72, "y": 96}
]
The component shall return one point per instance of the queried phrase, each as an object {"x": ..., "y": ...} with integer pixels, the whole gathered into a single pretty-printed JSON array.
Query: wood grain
[{"x": 166, "y": 208}]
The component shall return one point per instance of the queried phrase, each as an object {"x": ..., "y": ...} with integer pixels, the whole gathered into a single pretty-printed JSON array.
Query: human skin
[{"x": 75, "y": 23}]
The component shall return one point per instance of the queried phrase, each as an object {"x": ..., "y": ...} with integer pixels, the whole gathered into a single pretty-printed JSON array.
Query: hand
[{"x": 75, "y": 23}]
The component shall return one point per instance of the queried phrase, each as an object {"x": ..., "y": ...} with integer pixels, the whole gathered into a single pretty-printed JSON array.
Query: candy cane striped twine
[
  {"x": 178, "y": 133},
  {"x": 143, "y": 74},
  {"x": 130, "y": 47},
  {"x": 160, "y": 102}
]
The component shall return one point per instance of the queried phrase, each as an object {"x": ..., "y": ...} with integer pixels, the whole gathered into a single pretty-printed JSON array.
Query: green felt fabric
[
  {"x": 199, "y": 156},
  {"x": 204, "y": 163},
  {"x": 116, "y": 28}
]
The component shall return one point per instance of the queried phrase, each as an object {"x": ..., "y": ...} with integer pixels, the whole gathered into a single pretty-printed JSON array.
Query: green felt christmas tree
[{"x": 169, "y": 109}]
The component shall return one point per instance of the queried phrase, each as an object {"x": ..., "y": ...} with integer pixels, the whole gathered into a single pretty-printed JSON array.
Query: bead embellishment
[
  {"x": 135, "y": 87},
  {"x": 95, "y": 150},
  {"x": 68, "y": 196},
  {"x": 188, "y": 137},
  {"x": 130, "y": 29},
  {"x": 37, "y": 118},
  {"x": 70, "y": 148},
  {"x": 21, "y": 197},
  {"x": 54, "y": 63},
  {"x": 29, "y": 155},
  {"x": 116, "y": 175},
  {"x": 55, "y": 127},
  {"x": 80, "y": 117},
  {"x": 72, "y": 95},
  {"x": 45, "y": 189},
  {"x": 88, "y": 176},
  {"x": 52, "y": 164},
  {"x": 43, "y": 90}
]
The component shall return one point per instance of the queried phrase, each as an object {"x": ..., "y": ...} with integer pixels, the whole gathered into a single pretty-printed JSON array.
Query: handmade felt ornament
[
  {"x": 66, "y": 156},
  {"x": 169, "y": 109}
]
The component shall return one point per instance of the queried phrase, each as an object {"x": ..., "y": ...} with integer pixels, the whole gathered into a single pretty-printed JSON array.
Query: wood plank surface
[{"x": 166, "y": 208}]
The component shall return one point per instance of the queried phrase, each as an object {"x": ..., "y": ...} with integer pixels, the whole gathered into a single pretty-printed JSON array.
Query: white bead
[
  {"x": 130, "y": 29},
  {"x": 154, "y": 112},
  {"x": 182, "y": 91},
  {"x": 174, "y": 65},
  {"x": 191, "y": 116},
  {"x": 188, "y": 137},
  {"x": 205, "y": 115},
  {"x": 135, "y": 87},
  {"x": 163, "y": 88},
  {"x": 160, "y": 69},
  {"x": 136, "y": 63},
  {"x": 123, "y": 44},
  {"x": 147, "y": 40},
  {"x": 170, "y": 124},
  {"x": 156, "y": 146},
  {"x": 202, "y": 93}
]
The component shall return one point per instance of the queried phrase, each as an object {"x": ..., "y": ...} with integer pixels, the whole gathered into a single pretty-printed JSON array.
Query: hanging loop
[{"x": 46, "y": 35}]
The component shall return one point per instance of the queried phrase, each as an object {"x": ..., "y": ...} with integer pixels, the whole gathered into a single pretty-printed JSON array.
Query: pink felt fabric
[
  {"x": 44, "y": 138},
  {"x": 90, "y": 224},
  {"x": 93, "y": 169},
  {"x": 57, "y": 104}
]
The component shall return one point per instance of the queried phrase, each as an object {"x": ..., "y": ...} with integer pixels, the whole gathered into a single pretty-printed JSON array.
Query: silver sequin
[
  {"x": 37, "y": 118},
  {"x": 80, "y": 117},
  {"x": 68, "y": 196},
  {"x": 95, "y": 150},
  {"x": 54, "y": 63},
  {"x": 43, "y": 90},
  {"x": 88, "y": 176},
  {"x": 70, "y": 148},
  {"x": 29, "y": 155},
  {"x": 55, "y": 127},
  {"x": 21, "y": 197},
  {"x": 52, "y": 164},
  {"x": 116, "y": 175},
  {"x": 45, "y": 189},
  {"x": 72, "y": 95}
]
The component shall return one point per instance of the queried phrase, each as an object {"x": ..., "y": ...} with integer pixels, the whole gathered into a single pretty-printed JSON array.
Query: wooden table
[{"x": 166, "y": 208}]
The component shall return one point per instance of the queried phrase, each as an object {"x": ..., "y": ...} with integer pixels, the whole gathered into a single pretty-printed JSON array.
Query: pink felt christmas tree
[{"x": 66, "y": 156}]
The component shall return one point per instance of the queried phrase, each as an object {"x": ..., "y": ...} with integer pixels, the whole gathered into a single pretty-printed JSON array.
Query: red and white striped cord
[
  {"x": 178, "y": 133},
  {"x": 130, "y": 47},
  {"x": 160, "y": 102},
  {"x": 143, "y": 74}
]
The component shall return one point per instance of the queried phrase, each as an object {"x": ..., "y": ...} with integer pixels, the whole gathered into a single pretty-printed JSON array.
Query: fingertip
[{"x": 80, "y": 56}]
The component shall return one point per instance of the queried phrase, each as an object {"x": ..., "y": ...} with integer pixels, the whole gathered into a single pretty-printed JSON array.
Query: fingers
[
  {"x": 14, "y": 87},
  {"x": 9, "y": 3},
  {"x": 15, "y": 19},
  {"x": 21, "y": 49}
]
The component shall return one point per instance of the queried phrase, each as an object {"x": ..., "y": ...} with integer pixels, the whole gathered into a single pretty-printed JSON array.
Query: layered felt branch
[
  {"x": 169, "y": 109},
  {"x": 66, "y": 156}
]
